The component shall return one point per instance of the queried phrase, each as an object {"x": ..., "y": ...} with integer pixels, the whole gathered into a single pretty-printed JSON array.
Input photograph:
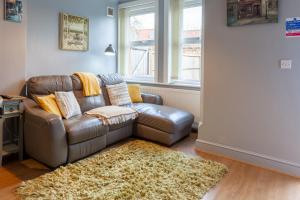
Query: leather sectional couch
[{"x": 55, "y": 141}]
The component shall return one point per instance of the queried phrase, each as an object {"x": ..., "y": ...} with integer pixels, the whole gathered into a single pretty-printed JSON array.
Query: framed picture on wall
[
  {"x": 74, "y": 32},
  {"x": 243, "y": 12},
  {"x": 13, "y": 10},
  {"x": 110, "y": 12}
]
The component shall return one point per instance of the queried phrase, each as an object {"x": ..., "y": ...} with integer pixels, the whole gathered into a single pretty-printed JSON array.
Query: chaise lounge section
[{"x": 55, "y": 141}]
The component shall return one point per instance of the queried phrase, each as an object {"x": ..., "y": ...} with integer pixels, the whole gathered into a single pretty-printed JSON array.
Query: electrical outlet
[{"x": 286, "y": 64}]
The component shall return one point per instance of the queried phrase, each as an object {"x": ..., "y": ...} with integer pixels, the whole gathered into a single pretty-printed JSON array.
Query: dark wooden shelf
[{"x": 10, "y": 149}]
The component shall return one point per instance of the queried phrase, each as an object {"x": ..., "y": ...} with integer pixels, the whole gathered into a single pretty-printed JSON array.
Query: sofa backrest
[
  {"x": 86, "y": 103},
  {"x": 109, "y": 79},
  {"x": 45, "y": 85}
]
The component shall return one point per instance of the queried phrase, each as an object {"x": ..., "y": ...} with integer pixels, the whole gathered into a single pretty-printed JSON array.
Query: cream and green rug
[{"x": 137, "y": 170}]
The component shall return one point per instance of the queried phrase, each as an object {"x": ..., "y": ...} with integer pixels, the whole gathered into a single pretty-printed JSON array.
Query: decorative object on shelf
[
  {"x": 110, "y": 12},
  {"x": 74, "y": 32},
  {"x": 13, "y": 10},
  {"x": 110, "y": 51},
  {"x": 1, "y": 102},
  {"x": 11, "y": 107},
  {"x": 243, "y": 12}
]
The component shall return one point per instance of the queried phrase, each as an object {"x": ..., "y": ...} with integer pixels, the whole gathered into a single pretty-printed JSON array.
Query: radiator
[{"x": 188, "y": 100}]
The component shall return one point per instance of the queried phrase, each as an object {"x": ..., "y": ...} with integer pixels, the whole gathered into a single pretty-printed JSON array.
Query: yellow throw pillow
[
  {"x": 135, "y": 93},
  {"x": 48, "y": 103}
]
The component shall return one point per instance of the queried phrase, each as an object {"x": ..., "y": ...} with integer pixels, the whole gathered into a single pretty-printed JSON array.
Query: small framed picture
[
  {"x": 243, "y": 12},
  {"x": 13, "y": 10},
  {"x": 110, "y": 12}
]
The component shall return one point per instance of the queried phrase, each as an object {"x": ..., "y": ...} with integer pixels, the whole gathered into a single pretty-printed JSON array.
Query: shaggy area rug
[{"x": 136, "y": 170}]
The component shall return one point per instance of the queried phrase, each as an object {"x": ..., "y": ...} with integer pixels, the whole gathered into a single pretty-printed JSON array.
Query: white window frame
[
  {"x": 165, "y": 69},
  {"x": 137, "y": 8}
]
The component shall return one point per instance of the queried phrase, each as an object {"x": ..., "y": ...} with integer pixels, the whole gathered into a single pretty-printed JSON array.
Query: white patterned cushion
[
  {"x": 67, "y": 104},
  {"x": 118, "y": 94}
]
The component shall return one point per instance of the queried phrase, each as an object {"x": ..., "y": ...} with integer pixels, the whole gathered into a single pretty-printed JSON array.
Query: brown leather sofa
[{"x": 55, "y": 141}]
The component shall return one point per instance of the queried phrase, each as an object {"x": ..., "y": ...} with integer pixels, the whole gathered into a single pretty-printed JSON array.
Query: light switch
[{"x": 286, "y": 64}]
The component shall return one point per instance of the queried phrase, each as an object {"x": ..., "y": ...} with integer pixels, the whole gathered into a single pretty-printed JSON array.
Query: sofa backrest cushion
[
  {"x": 109, "y": 79},
  {"x": 45, "y": 85},
  {"x": 86, "y": 103}
]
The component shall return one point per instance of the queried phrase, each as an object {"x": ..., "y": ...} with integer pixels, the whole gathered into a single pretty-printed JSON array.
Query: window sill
[{"x": 166, "y": 85}]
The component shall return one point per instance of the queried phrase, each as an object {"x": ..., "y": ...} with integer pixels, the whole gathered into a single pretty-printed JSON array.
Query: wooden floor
[{"x": 243, "y": 182}]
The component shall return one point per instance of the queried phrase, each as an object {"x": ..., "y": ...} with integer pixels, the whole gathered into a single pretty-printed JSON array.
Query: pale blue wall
[{"x": 44, "y": 56}]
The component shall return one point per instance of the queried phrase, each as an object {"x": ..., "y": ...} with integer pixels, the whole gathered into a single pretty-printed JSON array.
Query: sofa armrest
[
  {"x": 152, "y": 98},
  {"x": 44, "y": 135}
]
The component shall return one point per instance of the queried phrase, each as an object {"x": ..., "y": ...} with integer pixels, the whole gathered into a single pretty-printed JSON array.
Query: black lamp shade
[{"x": 110, "y": 51}]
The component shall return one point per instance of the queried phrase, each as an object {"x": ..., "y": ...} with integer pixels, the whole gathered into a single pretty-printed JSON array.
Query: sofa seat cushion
[
  {"x": 121, "y": 125},
  {"x": 163, "y": 118},
  {"x": 83, "y": 127}
]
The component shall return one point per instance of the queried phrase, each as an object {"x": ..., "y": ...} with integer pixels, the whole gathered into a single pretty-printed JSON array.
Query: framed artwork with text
[{"x": 74, "y": 32}]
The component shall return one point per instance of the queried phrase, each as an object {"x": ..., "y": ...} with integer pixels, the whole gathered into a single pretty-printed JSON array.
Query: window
[
  {"x": 137, "y": 36},
  {"x": 141, "y": 61},
  {"x": 191, "y": 50},
  {"x": 179, "y": 41},
  {"x": 186, "y": 46}
]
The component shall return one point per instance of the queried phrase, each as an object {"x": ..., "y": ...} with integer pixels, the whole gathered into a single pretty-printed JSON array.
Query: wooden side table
[{"x": 11, "y": 108}]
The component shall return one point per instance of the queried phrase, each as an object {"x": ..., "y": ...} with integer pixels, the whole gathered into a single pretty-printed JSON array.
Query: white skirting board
[
  {"x": 265, "y": 161},
  {"x": 188, "y": 100}
]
